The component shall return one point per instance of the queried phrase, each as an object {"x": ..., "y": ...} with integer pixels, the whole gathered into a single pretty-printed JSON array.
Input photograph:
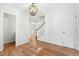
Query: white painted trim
[
  {"x": 1, "y": 48},
  {"x": 2, "y": 24}
]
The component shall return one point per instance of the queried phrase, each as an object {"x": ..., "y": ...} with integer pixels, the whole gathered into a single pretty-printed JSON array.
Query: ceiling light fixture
[{"x": 33, "y": 9}]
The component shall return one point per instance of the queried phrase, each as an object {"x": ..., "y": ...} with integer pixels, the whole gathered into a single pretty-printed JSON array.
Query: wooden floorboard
[{"x": 47, "y": 50}]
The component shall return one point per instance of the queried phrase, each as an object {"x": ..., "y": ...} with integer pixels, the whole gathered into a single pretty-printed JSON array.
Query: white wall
[
  {"x": 60, "y": 25},
  {"x": 22, "y": 28},
  {"x": 21, "y": 24},
  {"x": 58, "y": 18}
]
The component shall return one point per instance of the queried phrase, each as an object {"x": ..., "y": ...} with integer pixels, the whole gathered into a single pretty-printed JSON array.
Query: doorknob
[{"x": 63, "y": 32}]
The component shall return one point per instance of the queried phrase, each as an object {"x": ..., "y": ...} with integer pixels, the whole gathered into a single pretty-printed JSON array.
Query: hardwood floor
[{"x": 45, "y": 49}]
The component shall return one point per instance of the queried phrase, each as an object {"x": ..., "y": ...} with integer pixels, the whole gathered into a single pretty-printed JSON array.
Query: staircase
[
  {"x": 41, "y": 31},
  {"x": 40, "y": 26},
  {"x": 37, "y": 31}
]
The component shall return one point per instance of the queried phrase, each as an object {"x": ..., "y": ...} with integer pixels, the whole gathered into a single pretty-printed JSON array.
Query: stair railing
[{"x": 40, "y": 26}]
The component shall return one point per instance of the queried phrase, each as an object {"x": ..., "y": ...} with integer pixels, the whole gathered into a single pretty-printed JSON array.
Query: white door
[
  {"x": 68, "y": 31},
  {"x": 76, "y": 38}
]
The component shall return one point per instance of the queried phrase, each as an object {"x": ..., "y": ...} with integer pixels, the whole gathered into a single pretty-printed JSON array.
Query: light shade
[{"x": 33, "y": 9}]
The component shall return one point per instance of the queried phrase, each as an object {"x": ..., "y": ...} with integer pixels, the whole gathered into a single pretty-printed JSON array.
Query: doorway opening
[{"x": 9, "y": 30}]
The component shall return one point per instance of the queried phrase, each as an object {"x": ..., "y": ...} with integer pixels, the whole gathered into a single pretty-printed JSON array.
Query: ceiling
[{"x": 44, "y": 7}]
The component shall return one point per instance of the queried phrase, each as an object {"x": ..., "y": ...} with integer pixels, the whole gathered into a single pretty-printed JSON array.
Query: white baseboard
[{"x": 59, "y": 44}]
